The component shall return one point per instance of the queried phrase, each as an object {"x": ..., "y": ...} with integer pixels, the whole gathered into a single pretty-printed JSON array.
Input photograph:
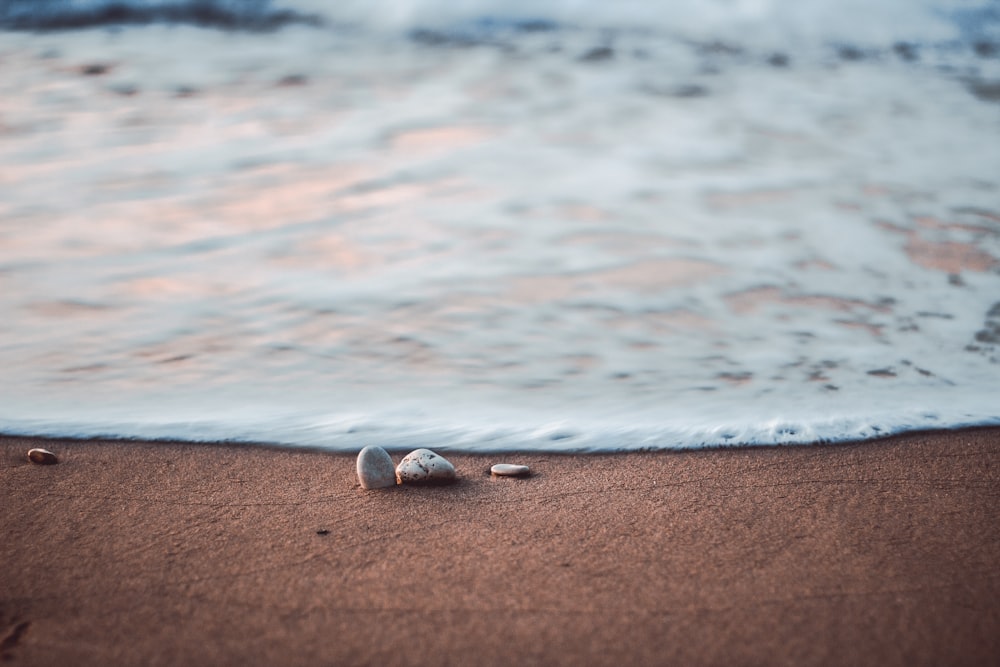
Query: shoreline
[
  {"x": 133, "y": 552},
  {"x": 398, "y": 451}
]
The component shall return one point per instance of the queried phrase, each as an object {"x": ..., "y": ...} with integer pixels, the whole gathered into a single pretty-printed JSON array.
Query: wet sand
[{"x": 878, "y": 553}]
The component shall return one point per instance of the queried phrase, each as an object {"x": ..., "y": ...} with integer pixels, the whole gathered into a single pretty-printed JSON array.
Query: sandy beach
[{"x": 877, "y": 553}]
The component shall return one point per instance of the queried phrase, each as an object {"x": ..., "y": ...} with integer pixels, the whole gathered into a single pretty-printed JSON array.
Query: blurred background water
[{"x": 478, "y": 225}]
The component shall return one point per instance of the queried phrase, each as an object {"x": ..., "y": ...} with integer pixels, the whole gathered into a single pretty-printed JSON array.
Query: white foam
[{"x": 481, "y": 249}]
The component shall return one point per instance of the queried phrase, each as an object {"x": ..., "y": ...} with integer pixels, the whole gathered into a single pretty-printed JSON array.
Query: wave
[
  {"x": 762, "y": 21},
  {"x": 251, "y": 15},
  {"x": 351, "y": 432},
  {"x": 588, "y": 245}
]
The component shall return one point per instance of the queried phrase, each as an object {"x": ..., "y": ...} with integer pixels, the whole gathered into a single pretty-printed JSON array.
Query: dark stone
[
  {"x": 985, "y": 49},
  {"x": 990, "y": 333},
  {"x": 778, "y": 60},
  {"x": 987, "y": 91},
  {"x": 906, "y": 51},
  {"x": 684, "y": 91},
  {"x": 293, "y": 80},
  {"x": 598, "y": 54},
  {"x": 95, "y": 69},
  {"x": 690, "y": 90},
  {"x": 850, "y": 53}
]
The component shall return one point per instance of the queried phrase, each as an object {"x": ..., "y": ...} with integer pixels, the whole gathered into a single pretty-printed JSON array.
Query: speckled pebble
[
  {"x": 375, "y": 468},
  {"x": 42, "y": 456},
  {"x": 510, "y": 470},
  {"x": 422, "y": 466}
]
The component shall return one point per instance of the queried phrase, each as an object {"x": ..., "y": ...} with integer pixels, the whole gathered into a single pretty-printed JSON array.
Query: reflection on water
[{"x": 299, "y": 239}]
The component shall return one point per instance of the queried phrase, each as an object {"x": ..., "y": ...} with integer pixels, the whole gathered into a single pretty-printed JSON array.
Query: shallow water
[{"x": 493, "y": 235}]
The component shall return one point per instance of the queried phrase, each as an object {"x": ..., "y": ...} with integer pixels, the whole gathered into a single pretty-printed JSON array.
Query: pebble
[
  {"x": 422, "y": 466},
  {"x": 375, "y": 468},
  {"x": 510, "y": 470},
  {"x": 42, "y": 456}
]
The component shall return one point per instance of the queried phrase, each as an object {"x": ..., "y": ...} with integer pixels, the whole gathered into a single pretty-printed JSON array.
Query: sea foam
[{"x": 553, "y": 231}]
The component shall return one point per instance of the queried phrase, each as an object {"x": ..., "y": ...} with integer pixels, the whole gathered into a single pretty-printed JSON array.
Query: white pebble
[
  {"x": 422, "y": 466},
  {"x": 42, "y": 456},
  {"x": 375, "y": 469},
  {"x": 510, "y": 470}
]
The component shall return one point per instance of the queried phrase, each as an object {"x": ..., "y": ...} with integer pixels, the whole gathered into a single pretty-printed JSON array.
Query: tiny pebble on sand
[
  {"x": 42, "y": 456},
  {"x": 510, "y": 470}
]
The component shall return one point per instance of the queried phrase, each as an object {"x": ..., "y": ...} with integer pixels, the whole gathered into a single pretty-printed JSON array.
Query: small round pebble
[
  {"x": 510, "y": 470},
  {"x": 42, "y": 456},
  {"x": 375, "y": 468}
]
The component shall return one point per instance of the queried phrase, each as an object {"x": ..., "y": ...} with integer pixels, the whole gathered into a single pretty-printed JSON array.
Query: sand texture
[{"x": 879, "y": 553}]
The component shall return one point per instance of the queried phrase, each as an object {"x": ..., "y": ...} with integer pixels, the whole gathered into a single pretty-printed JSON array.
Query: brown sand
[{"x": 882, "y": 553}]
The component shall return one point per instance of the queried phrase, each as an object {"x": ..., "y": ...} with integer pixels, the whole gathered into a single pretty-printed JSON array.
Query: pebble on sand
[
  {"x": 375, "y": 468},
  {"x": 42, "y": 456},
  {"x": 510, "y": 470},
  {"x": 422, "y": 466}
]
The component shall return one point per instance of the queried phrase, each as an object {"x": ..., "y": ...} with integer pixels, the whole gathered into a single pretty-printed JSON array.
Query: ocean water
[{"x": 484, "y": 225}]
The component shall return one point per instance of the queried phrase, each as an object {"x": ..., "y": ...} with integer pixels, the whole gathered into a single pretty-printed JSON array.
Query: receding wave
[{"x": 581, "y": 240}]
